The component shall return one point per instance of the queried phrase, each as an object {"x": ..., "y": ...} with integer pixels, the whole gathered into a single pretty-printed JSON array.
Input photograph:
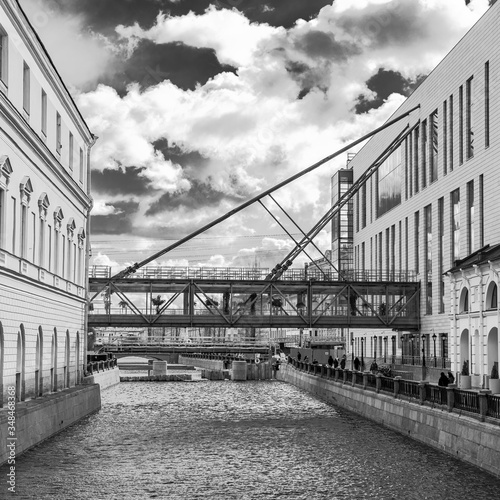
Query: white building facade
[
  {"x": 44, "y": 211},
  {"x": 435, "y": 201}
]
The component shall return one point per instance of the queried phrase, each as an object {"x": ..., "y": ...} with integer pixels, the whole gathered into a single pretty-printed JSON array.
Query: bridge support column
[
  {"x": 239, "y": 371},
  {"x": 159, "y": 368}
]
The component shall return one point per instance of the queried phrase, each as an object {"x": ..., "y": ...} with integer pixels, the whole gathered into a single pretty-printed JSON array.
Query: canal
[{"x": 228, "y": 440}]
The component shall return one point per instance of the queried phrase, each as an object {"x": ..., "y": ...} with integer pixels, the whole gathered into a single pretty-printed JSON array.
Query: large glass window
[
  {"x": 434, "y": 146},
  {"x": 3, "y": 56},
  {"x": 428, "y": 251},
  {"x": 424, "y": 153},
  {"x": 461, "y": 124},
  {"x": 486, "y": 104},
  {"x": 441, "y": 252},
  {"x": 389, "y": 183},
  {"x": 445, "y": 137},
  {"x": 455, "y": 224},
  {"x": 417, "y": 242},
  {"x": 450, "y": 157},
  {"x": 44, "y": 113},
  {"x": 26, "y": 88},
  {"x": 469, "y": 133},
  {"x": 470, "y": 217}
]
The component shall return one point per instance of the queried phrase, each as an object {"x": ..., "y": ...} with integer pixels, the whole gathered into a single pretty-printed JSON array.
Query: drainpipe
[{"x": 87, "y": 255}]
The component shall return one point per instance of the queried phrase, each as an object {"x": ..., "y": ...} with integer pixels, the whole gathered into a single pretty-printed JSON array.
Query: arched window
[
  {"x": 20, "y": 365},
  {"x": 66, "y": 361},
  {"x": 1, "y": 364},
  {"x": 492, "y": 296},
  {"x": 464, "y": 301},
  {"x": 53, "y": 368},
  {"x": 39, "y": 363}
]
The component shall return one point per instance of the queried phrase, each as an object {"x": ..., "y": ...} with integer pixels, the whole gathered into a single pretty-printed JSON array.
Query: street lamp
[
  {"x": 402, "y": 349},
  {"x": 393, "y": 348},
  {"x": 434, "y": 340},
  {"x": 374, "y": 347},
  {"x": 352, "y": 353},
  {"x": 362, "y": 353},
  {"x": 385, "y": 349},
  {"x": 423, "y": 349}
]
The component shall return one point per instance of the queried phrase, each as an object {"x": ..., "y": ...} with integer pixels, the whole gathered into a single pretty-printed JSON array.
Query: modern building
[
  {"x": 433, "y": 207},
  {"x": 44, "y": 211}
]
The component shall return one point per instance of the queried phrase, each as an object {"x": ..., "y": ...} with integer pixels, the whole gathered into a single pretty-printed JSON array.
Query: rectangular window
[
  {"x": 434, "y": 146},
  {"x": 470, "y": 217},
  {"x": 2, "y": 217},
  {"x": 26, "y": 88},
  {"x": 44, "y": 113},
  {"x": 393, "y": 250},
  {"x": 387, "y": 253},
  {"x": 400, "y": 248},
  {"x": 74, "y": 263},
  {"x": 80, "y": 176},
  {"x": 416, "y": 135},
  {"x": 410, "y": 162},
  {"x": 428, "y": 253},
  {"x": 487, "y": 104},
  {"x": 450, "y": 111},
  {"x": 441, "y": 253},
  {"x": 371, "y": 255},
  {"x": 24, "y": 226},
  {"x": 56, "y": 251},
  {"x": 455, "y": 225},
  {"x": 406, "y": 244},
  {"x": 363, "y": 256},
  {"x": 363, "y": 206},
  {"x": 389, "y": 183},
  {"x": 417, "y": 240},
  {"x": 376, "y": 259},
  {"x": 481, "y": 212},
  {"x": 461, "y": 125},
  {"x": 33, "y": 237},
  {"x": 58, "y": 133},
  {"x": 41, "y": 244},
  {"x": 406, "y": 168},
  {"x": 357, "y": 212},
  {"x": 63, "y": 255},
  {"x": 445, "y": 138},
  {"x": 469, "y": 133},
  {"x": 71, "y": 151},
  {"x": 424, "y": 153},
  {"x": 14, "y": 219},
  {"x": 380, "y": 255},
  {"x": 49, "y": 246},
  {"x": 3, "y": 56}
]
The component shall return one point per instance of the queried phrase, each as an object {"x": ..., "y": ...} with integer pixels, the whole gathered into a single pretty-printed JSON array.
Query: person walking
[
  {"x": 342, "y": 362},
  {"x": 357, "y": 363},
  {"x": 451, "y": 378},
  {"x": 330, "y": 361},
  {"x": 443, "y": 380}
]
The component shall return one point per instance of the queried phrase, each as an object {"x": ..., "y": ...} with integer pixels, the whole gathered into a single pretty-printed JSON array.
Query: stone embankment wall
[
  {"x": 105, "y": 379},
  {"x": 463, "y": 437},
  {"x": 41, "y": 418}
]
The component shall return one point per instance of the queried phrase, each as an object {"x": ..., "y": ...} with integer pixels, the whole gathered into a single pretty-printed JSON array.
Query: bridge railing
[
  {"x": 252, "y": 273},
  {"x": 205, "y": 341},
  {"x": 99, "y": 366}
]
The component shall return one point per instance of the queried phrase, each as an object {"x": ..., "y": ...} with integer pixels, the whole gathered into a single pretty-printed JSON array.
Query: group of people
[{"x": 446, "y": 380}]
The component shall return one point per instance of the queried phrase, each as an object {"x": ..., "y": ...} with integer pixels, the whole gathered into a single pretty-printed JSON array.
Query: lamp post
[
  {"x": 385, "y": 349},
  {"x": 362, "y": 353},
  {"x": 412, "y": 357},
  {"x": 444, "y": 336},
  {"x": 352, "y": 354},
  {"x": 375, "y": 347},
  {"x": 393, "y": 348},
  {"x": 402, "y": 350},
  {"x": 434, "y": 340},
  {"x": 423, "y": 349}
]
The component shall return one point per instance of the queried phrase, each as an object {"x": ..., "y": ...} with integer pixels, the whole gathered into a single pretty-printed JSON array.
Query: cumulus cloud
[
  {"x": 228, "y": 32},
  {"x": 103, "y": 208},
  {"x": 289, "y": 104}
]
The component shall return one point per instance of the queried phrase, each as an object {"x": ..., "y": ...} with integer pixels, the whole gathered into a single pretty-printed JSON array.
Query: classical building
[
  {"x": 432, "y": 207},
  {"x": 44, "y": 209}
]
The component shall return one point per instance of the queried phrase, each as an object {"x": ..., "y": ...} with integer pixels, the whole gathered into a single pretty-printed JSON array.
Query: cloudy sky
[{"x": 201, "y": 105}]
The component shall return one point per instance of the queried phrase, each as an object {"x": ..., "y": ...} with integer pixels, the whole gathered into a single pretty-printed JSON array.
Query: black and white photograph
[{"x": 249, "y": 249}]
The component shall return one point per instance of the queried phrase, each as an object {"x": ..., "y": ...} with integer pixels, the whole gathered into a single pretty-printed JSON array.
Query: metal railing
[
  {"x": 252, "y": 273},
  {"x": 99, "y": 366},
  {"x": 476, "y": 404}
]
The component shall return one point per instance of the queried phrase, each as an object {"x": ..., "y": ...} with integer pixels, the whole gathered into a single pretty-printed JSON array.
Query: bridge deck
[{"x": 258, "y": 303}]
